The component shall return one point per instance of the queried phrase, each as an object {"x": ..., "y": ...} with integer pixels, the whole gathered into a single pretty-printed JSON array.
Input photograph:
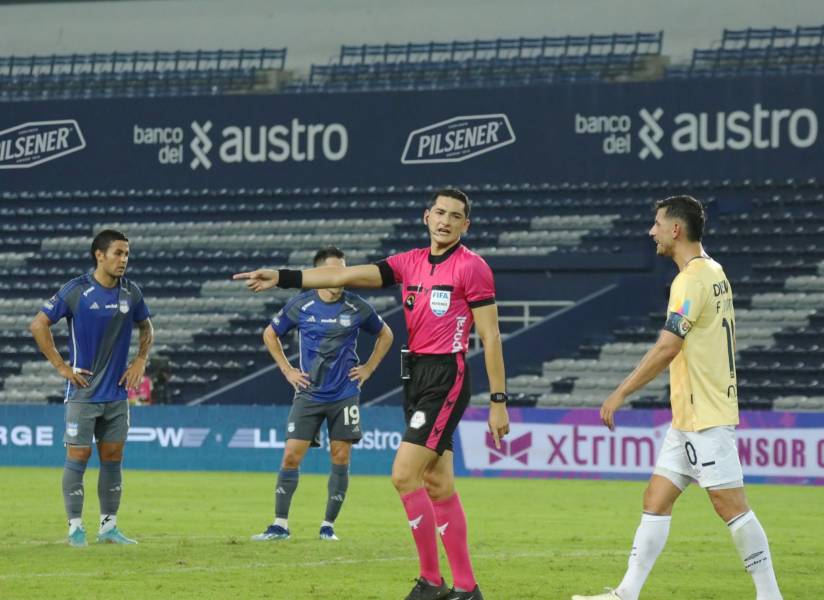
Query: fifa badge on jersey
[
  {"x": 345, "y": 320},
  {"x": 124, "y": 306},
  {"x": 71, "y": 429},
  {"x": 439, "y": 302}
]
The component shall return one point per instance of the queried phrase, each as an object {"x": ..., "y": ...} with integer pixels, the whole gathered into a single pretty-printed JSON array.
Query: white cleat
[{"x": 608, "y": 595}]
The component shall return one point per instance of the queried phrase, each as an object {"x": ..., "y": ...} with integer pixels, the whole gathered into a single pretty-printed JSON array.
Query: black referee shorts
[{"x": 435, "y": 398}]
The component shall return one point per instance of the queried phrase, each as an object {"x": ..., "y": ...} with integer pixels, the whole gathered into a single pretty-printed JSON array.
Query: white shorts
[{"x": 709, "y": 457}]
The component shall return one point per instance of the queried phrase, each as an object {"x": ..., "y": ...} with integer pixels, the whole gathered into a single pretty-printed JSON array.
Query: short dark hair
[
  {"x": 327, "y": 252},
  {"x": 455, "y": 193},
  {"x": 104, "y": 239},
  {"x": 689, "y": 210}
]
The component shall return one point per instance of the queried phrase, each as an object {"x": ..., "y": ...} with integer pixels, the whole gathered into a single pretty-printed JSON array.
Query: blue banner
[
  {"x": 687, "y": 129},
  {"x": 214, "y": 438}
]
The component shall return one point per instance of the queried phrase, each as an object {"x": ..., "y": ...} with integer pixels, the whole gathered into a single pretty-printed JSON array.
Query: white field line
[{"x": 315, "y": 564}]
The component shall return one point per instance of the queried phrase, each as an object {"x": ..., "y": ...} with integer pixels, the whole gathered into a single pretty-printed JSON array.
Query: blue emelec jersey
[
  {"x": 100, "y": 329},
  {"x": 328, "y": 338}
]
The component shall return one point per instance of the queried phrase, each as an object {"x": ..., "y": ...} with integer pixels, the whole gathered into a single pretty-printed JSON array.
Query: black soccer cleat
[
  {"x": 473, "y": 595},
  {"x": 424, "y": 590}
]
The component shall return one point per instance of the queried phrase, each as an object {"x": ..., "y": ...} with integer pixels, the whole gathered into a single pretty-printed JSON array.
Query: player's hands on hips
[
  {"x": 498, "y": 421},
  {"x": 259, "y": 280},
  {"x": 75, "y": 376},
  {"x": 134, "y": 374},
  {"x": 608, "y": 408},
  {"x": 297, "y": 378},
  {"x": 360, "y": 373}
]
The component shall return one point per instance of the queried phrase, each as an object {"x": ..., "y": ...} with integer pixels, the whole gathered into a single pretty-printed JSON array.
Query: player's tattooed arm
[{"x": 135, "y": 371}]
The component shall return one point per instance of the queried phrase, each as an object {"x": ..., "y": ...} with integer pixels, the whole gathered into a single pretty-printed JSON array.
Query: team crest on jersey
[
  {"x": 345, "y": 320},
  {"x": 124, "y": 306},
  {"x": 439, "y": 302}
]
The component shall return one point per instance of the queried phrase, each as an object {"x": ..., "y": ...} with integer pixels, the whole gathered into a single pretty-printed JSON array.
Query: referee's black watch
[{"x": 499, "y": 397}]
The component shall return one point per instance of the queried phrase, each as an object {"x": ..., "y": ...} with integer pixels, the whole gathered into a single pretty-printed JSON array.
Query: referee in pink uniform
[{"x": 446, "y": 289}]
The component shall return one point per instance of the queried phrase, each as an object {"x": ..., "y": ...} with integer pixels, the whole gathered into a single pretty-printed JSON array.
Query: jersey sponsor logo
[
  {"x": 124, "y": 306},
  {"x": 96, "y": 306},
  {"x": 307, "y": 305},
  {"x": 439, "y": 301},
  {"x": 328, "y": 320},
  {"x": 311, "y": 319},
  {"x": 31, "y": 144},
  {"x": 458, "y": 139},
  {"x": 345, "y": 320},
  {"x": 418, "y": 420},
  {"x": 112, "y": 305},
  {"x": 88, "y": 291},
  {"x": 72, "y": 429},
  {"x": 457, "y": 337}
]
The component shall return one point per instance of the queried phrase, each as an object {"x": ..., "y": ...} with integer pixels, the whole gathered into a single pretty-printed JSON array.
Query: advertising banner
[
  {"x": 212, "y": 438},
  {"x": 714, "y": 129},
  {"x": 774, "y": 447}
]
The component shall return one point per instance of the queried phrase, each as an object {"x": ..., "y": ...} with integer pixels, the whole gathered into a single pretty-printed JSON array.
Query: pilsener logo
[
  {"x": 32, "y": 144},
  {"x": 458, "y": 139}
]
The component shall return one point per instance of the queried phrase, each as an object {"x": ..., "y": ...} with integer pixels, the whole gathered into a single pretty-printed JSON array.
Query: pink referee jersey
[{"x": 438, "y": 295}]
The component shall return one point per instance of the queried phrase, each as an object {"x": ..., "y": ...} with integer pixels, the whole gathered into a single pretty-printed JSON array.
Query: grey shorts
[
  {"x": 101, "y": 421},
  {"x": 342, "y": 420}
]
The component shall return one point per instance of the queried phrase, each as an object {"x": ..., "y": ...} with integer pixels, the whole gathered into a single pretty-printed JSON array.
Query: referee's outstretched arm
[{"x": 361, "y": 276}]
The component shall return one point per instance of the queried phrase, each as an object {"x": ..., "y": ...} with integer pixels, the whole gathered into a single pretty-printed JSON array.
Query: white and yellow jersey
[{"x": 703, "y": 384}]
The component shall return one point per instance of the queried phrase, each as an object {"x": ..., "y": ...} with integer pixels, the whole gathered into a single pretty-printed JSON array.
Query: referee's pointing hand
[
  {"x": 259, "y": 280},
  {"x": 498, "y": 422}
]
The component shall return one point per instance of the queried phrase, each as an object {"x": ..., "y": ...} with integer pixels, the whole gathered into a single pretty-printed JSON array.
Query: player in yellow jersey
[{"x": 698, "y": 344}]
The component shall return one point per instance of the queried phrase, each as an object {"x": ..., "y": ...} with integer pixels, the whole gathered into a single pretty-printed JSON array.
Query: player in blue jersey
[
  {"x": 327, "y": 386},
  {"x": 100, "y": 308}
]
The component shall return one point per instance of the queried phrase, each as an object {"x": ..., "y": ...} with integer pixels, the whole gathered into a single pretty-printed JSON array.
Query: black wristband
[
  {"x": 290, "y": 278},
  {"x": 498, "y": 397}
]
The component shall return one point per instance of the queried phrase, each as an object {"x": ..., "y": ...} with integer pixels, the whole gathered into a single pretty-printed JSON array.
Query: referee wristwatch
[{"x": 499, "y": 397}]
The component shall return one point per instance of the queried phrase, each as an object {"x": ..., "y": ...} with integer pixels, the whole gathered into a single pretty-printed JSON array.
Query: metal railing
[{"x": 531, "y": 311}]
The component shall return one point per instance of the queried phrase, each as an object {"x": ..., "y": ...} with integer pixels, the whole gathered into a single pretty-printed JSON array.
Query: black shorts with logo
[{"x": 435, "y": 398}]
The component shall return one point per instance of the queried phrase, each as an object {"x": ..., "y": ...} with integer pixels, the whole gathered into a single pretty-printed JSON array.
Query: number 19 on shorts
[{"x": 351, "y": 415}]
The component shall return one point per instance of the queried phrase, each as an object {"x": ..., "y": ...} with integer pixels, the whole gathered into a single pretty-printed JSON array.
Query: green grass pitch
[{"x": 529, "y": 539}]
